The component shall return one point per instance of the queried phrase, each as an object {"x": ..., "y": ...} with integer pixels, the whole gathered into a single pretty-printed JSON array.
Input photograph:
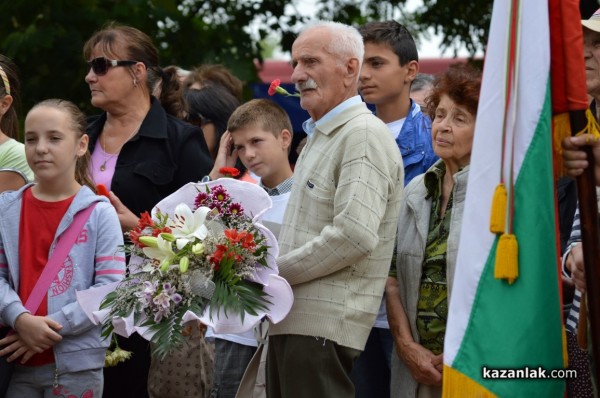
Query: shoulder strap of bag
[{"x": 56, "y": 260}]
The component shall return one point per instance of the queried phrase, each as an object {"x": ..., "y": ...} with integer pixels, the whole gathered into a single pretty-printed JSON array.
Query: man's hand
[
  {"x": 425, "y": 367},
  {"x": 574, "y": 157},
  {"x": 574, "y": 263},
  {"x": 37, "y": 332}
]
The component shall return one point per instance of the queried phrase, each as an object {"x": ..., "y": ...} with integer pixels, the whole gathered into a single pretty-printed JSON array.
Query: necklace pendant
[{"x": 103, "y": 166}]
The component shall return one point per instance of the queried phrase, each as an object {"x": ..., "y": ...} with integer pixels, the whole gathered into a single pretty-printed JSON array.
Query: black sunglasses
[{"x": 100, "y": 65}]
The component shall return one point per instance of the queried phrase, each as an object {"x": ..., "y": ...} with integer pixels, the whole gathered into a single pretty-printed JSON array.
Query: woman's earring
[{"x": 134, "y": 82}]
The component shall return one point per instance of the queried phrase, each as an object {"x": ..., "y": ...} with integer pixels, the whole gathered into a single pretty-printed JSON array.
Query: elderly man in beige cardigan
[{"x": 339, "y": 227}]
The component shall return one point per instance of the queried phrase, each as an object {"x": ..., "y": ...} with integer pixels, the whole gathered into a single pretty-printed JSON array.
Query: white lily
[
  {"x": 163, "y": 251},
  {"x": 188, "y": 226}
]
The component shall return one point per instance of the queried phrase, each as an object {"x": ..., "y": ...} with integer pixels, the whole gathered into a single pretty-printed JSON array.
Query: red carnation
[
  {"x": 274, "y": 85},
  {"x": 229, "y": 171}
]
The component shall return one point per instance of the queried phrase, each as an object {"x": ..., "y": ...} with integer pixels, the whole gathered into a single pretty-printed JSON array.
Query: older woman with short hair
[{"x": 428, "y": 234}]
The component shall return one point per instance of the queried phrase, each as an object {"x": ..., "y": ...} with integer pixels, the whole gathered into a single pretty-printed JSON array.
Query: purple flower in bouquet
[
  {"x": 162, "y": 301},
  {"x": 202, "y": 199},
  {"x": 219, "y": 194},
  {"x": 147, "y": 294},
  {"x": 235, "y": 208}
]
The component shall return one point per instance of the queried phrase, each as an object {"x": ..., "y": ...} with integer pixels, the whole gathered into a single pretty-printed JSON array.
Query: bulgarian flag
[{"x": 505, "y": 309}]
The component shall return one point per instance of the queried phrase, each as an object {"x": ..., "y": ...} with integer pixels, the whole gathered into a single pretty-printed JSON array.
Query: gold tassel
[
  {"x": 561, "y": 128},
  {"x": 507, "y": 258},
  {"x": 498, "y": 214}
]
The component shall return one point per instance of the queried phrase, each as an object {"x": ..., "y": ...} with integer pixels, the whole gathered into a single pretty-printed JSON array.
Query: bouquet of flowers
[{"x": 201, "y": 255}]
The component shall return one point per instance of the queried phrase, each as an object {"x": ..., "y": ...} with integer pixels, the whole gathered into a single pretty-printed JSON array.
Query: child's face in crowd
[
  {"x": 261, "y": 152},
  {"x": 51, "y": 145},
  {"x": 382, "y": 78}
]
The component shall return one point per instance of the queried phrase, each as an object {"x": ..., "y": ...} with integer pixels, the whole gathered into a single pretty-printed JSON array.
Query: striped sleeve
[
  {"x": 115, "y": 265},
  {"x": 574, "y": 239},
  {"x": 575, "y": 230}
]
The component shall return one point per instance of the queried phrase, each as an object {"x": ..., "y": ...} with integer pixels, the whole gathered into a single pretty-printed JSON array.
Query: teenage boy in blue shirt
[{"x": 390, "y": 65}]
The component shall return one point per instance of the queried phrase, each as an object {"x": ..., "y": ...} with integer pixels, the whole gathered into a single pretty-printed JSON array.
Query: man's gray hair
[
  {"x": 346, "y": 40},
  {"x": 422, "y": 80}
]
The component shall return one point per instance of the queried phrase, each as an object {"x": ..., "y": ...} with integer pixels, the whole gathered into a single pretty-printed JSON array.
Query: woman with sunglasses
[
  {"x": 14, "y": 171},
  {"x": 139, "y": 152}
]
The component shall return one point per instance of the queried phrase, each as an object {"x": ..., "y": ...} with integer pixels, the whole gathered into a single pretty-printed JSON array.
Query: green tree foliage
[
  {"x": 459, "y": 22},
  {"x": 45, "y": 38}
]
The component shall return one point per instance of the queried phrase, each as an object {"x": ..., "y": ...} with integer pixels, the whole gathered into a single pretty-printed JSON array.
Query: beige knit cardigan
[{"x": 339, "y": 228}]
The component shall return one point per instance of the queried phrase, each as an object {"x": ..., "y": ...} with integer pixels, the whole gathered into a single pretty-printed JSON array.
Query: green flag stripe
[{"x": 520, "y": 325}]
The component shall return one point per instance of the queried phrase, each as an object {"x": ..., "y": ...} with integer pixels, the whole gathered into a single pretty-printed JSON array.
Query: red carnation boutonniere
[
  {"x": 276, "y": 88},
  {"x": 229, "y": 171}
]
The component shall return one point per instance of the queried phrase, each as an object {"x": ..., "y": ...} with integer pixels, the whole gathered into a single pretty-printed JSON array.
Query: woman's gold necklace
[{"x": 103, "y": 141}]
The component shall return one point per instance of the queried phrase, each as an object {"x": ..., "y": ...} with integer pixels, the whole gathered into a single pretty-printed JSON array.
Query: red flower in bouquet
[
  {"x": 217, "y": 256},
  {"x": 244, "y": 238},
  {"x": 163, "y": 230},
  {"x": 146, "y": 227},
  {"x": 248, "y": 241},
  {"x": 275, "y": 88},
  {"x": 144, "y": 222}
]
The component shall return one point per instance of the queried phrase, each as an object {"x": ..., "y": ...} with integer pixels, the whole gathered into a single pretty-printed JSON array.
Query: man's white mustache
[{"x": 309, "y": 84}]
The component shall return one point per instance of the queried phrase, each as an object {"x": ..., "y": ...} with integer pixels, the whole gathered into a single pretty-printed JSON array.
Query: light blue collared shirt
[{"x": 309, "y": 125}]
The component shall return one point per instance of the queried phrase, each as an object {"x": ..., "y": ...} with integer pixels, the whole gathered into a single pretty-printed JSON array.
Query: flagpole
[{"x": 590, "y": 238}]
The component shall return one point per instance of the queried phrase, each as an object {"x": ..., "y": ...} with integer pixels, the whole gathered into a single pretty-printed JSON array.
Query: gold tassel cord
[
  {"x": 507, "y": 258},
  {"x": 562, "y": 129},
  {"x": 498, "y": 213},
  {"x": 592, "y": 127}
]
